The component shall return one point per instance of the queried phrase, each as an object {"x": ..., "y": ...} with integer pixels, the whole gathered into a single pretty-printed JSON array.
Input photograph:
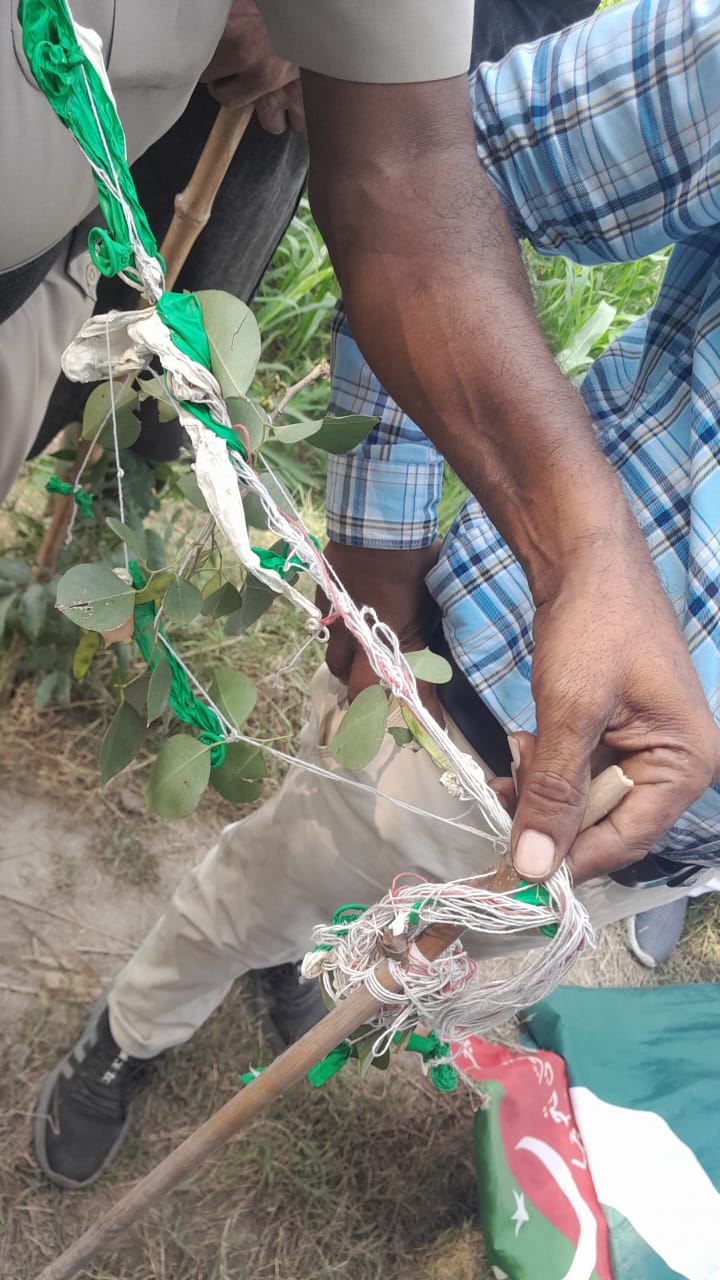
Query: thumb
[{"x": 554, "y": 782}]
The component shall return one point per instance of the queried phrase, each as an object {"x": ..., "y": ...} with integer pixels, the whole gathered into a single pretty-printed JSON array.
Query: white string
[
  {"x": 449, "y": 994},
  {"x": 233, "y": 735},
  {"x": 116, "y": 445}
]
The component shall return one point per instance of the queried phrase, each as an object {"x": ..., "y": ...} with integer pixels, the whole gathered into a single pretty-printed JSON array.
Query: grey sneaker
[
  {"x": 653, "y": 935},
  {"x": 286, "y": 1005},
  {"x": 83, "y": 1109}
]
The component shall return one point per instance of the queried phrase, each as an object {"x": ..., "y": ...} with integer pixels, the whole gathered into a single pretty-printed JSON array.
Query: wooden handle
[{"x": 606, "y": 792}]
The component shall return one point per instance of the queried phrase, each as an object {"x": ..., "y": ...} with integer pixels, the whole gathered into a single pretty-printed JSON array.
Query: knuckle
[{"x": 547, "y": 791}]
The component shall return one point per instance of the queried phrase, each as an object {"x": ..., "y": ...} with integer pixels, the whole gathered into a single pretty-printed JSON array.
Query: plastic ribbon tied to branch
[{"x": 448, "y": 994}]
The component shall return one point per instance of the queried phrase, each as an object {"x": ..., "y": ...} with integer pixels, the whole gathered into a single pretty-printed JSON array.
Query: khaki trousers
[
  {"x": 32, "y": 341},
  {"x": 317, "y": 844}
]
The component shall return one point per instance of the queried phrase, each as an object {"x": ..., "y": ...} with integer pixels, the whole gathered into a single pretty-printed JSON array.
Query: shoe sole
[{"x": 41, "y": 1114}]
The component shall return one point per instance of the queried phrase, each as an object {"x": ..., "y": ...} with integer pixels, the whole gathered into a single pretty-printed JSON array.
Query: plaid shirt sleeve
[
  {"x": 385, "y": 492},
  {"x": 603, "y": 141}
]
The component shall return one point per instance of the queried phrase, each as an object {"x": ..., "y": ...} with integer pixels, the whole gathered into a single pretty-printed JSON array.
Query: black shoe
[
  {"x": 83, "y": 1108},
  {"x": 287, "y": 1006}
]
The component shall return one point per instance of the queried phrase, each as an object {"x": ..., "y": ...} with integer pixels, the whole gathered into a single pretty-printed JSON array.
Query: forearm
[{"x": 439, "y": 303}]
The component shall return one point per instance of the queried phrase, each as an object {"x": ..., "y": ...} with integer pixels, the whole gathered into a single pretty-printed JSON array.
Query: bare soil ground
[{"x": 362, "y": 1179}]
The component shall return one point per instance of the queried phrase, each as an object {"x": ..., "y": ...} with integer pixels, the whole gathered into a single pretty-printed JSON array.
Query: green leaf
[
  {"x": 254, "y": 513},
  {"x": 235, "y": 694},
  {"x": 159, "y": 687},
  {"x": 429, "y": 666},
  {"x": 182, "y": 602},
  {"x": 190, "y": 489},
  {"x": 251, "y": 416},
  {"x": 156, "y": 557},
  {"x": 85, "y": 650},
  {"x": 233, "y": 337},
  {"x": 362, "y": 729},
  {"x": 150, "y": 387},
  {"x": 155, "y": 587},
  {"x": 224, "y": 600},
  {"x": 293, "y": 432},
  {"x": 178, "y": 777},
  {"x": 97, "y": 410},
  {"x": 134, "y": 538},
  {"x": 239, "y": 777},
  {"x": 94, "y": 597},
  {"x": 338, "y": 435},
  {"x": 46, "y": 689},
  {"x": 257, "y": 598},
  {"x": 121, "y": 743},
  {"x": 6, "y": 604},
  {"x": 136, "y": 693},
  {"x": 34, "y": 607},
  {"x": 401, "y": 737}
]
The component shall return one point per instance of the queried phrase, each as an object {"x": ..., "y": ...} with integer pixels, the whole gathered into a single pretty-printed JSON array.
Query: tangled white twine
[{"x": 449, "y": 994}]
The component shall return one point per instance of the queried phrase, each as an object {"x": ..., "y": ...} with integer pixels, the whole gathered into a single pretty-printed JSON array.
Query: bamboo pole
[
  {"x": 606, "y": 791},
  {"x": 193, "y": 207}
]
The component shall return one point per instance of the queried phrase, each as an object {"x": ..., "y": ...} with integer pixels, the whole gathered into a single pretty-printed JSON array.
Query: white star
[{"x": 521, "y": 1214}]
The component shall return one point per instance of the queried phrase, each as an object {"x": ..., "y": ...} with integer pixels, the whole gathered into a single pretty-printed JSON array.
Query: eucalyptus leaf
[
  {"x": 254, "y": 513},
  {"x": 85, "y": 650},
  {"x": 121, "y": 743},
  {"x": 182, "y": 602},
  {"x": 224, "y": 600},
  {"x": 361, "y": 731},
  {"x": 156, "y": 558},
  {"x": 155, "y": 587},
  {"x": 233, "y": 337},
  {"x": 159, "y": 686},
  {"x": 251, "y": 416},
  {"x": 235, "y": 694},
  {"x": 401, "y": 737},
  {"x": 293, "y": 432},
  {"x": 136, "y": 693},
  {"x": 429, "y": 666},
  {"x": 134, "y": 538},
  {"x": 239, "y": 777},
  {"x": 34, "y": 606},
  {"x": 257, "y": 598},
  {"x": 94, "y": 597},
  {"x": 339, "y": 435},
  {"x": 98, "y": 409},
  {"x": 45, "y": 690},
  {"x": 190, "y": 489},
  {"x": 178, "y": 777}
]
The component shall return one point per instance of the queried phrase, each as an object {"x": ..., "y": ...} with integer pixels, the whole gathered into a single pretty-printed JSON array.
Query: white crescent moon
[{"x": 583, "y": 1264}]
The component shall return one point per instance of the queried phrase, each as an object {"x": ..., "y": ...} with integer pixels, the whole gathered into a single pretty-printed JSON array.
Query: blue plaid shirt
[{"x": 604, "y": 144}]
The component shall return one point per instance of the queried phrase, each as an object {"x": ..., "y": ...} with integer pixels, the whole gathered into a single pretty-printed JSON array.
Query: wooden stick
[
  {"x": 194, "y": 205},
  {"x": 193, "y": 208},
  {"x": 606, "y": 792}
]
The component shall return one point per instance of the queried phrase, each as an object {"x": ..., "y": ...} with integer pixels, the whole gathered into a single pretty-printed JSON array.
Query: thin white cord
[{"x": 116, "y": 445}]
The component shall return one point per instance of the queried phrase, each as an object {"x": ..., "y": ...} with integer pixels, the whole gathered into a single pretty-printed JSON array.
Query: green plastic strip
[
  {"x": 182, "y": 700},
  {"x": 82, "y": 498},
  {"x": 66, "y": 77}
]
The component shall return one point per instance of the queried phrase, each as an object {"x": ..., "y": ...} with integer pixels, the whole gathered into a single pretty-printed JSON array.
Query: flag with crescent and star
[{"x": 598, "y": 1147}]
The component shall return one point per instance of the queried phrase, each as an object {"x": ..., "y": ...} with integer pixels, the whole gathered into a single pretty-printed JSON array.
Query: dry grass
[{"x": 361, "y": 1179}]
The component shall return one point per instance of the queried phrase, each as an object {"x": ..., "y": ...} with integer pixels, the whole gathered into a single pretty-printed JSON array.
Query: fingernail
[{"x": 534, "y": 855}]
